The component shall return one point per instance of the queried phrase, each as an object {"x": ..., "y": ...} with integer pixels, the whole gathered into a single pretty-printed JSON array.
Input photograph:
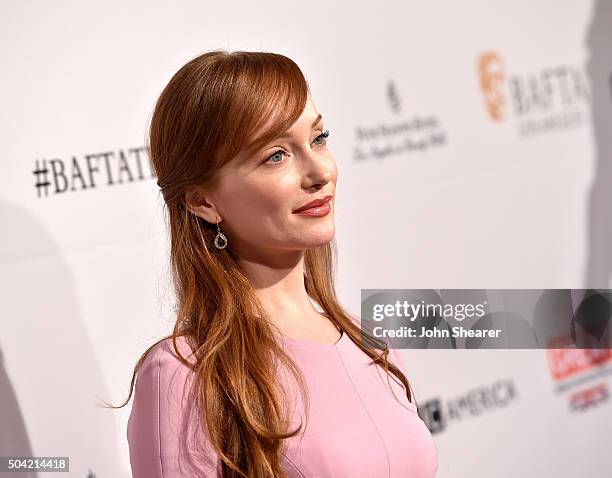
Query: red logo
[
  {"x": 588, "y": 398},
  {"x": 565, "y": 363}
]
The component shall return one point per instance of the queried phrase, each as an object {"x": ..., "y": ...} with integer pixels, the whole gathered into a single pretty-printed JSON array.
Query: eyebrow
[{"x": 314, "y": 123}]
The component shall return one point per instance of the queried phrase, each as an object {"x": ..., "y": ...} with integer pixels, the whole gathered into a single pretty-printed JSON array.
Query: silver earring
[{"x": 220, "y": 239}]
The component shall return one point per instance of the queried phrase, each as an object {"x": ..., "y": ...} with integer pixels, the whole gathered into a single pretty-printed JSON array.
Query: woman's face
[{"x": 256, "y": 199}]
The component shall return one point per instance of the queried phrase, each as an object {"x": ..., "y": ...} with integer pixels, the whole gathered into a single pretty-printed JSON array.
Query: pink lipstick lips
[{"x": 318, "y": 207}]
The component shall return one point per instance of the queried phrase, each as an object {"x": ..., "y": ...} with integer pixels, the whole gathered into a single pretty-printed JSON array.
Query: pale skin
[{"x": 254, "y": 205}]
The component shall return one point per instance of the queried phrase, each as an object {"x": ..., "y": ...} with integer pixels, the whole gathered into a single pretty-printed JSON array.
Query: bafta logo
[{"x": 492, "y": 74}]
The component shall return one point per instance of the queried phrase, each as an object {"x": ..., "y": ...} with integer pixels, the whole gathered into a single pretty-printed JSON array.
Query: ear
[{"x": 200, "y": 203}]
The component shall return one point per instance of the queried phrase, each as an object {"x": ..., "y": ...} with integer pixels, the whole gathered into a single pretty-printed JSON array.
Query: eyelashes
[{"x": 322, "y": 136}]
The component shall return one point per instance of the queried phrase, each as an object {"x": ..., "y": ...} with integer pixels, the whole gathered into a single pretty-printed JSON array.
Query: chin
[{"x": 319, "y": 240}]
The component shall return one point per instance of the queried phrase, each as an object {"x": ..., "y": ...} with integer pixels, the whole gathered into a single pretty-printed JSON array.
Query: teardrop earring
[{"x": 220, "y": 240}]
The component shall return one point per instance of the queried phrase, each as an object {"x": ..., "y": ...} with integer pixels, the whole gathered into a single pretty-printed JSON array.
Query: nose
[{"x": 317, "y": 169}]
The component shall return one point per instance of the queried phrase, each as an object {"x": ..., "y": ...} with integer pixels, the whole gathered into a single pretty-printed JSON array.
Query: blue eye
[
  {"x": 323, "y": 136},
  {"x": 277, "y": 152}
]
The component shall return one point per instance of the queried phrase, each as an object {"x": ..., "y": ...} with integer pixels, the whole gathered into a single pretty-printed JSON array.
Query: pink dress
[{"x": 356, "y": 428}]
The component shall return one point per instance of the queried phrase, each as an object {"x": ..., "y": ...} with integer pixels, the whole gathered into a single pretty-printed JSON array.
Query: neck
[{"x": 279, "y": 285}]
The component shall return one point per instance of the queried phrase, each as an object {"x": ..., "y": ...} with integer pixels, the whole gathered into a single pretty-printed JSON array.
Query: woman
[{"x": 265, "y": 374}]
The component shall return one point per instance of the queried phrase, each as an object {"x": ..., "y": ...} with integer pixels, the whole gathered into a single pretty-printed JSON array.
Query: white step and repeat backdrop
[{"x": 474, "y": 147}]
